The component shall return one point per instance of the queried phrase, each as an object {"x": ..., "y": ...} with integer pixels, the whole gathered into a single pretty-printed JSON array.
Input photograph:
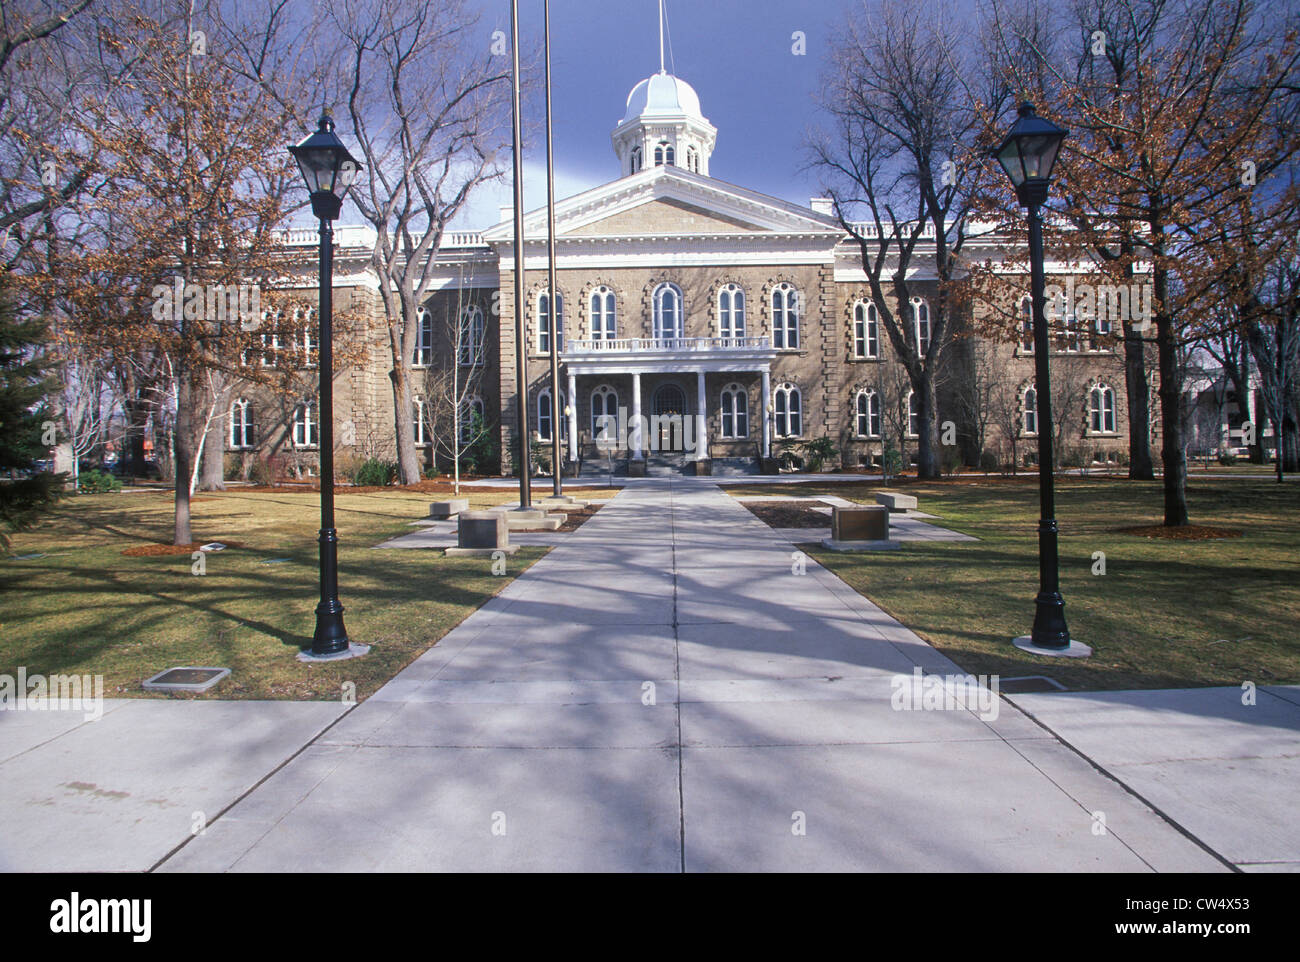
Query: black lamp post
[
  {"x": 328, "y": 169},
  {"x": 1028, "y": 155}
]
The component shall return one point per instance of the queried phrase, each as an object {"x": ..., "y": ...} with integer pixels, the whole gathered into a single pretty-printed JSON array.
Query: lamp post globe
[
  {"x": 328, "y": 170},
  {"x": 1028, "y": 155}
]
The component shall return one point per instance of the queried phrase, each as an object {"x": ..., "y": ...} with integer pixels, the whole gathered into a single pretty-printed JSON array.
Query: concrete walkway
[{"x": 663, "y": 692}]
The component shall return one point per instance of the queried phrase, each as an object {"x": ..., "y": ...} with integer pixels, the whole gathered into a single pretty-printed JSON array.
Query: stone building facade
[{"x": 729, "y": 325}]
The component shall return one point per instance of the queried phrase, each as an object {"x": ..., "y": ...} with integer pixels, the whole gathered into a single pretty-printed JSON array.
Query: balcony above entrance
[{"x": 647, "y": 354}]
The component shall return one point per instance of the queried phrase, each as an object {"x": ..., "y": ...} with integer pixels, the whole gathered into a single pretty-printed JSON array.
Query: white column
[
  {"x": 635, "y": 432},
  {"x": 573, "y": 417},
  {"x": 701, "y": 421},
  {"x": 767, "y": 415}
]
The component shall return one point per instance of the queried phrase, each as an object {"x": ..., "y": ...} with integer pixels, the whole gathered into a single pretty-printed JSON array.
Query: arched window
[
  {"x": 1101, "y": 409},
  {"x": 868, "y": 414},
  {"x": 866, "y": 330},
  {"x": 921, "y": 318},
  {"x": 241, "y": 425},
  {"x": 305, "y": 427},
  {"x": 731, "y": 311},
  {"x": 692, "y": 160},
  {"x": 735, "y": 412},
  {"x": 546, "y": 416},
  {"x": 420, "y": 421},
  {"x": 473, "y": 420},
  {"x": 668, "y": 320},
  {"x": 471, "y": 335},
  {"x": 544, "y": 322},
  {"x": 1029, "y": 421},
  {"x": 1027, "y": 326},
  {"x": 604, "y": 414},
  {"x": 913, "y": 415},
  {"x": 636, "y": 160},
  {"x": 785, "y": 317},
  {"x": 423, "y": 356},
  {"x": 788, "y": 411},
  {"x": 664, "y": 154},
  {"x": 604, "y": 323}
]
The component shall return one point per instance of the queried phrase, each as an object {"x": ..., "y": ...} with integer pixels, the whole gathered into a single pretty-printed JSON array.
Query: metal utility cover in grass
[{"x": 186, "y": 679}]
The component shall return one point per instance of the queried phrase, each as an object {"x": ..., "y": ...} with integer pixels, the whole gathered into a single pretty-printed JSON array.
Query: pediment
[{"x": 669, "y": 201}]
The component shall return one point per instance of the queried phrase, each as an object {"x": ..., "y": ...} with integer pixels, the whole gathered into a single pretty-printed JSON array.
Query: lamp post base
[
  {"x": 1050, "y": 630},
  {"x": 1073, "y": 649},
  {"x": 331, "y": 637}
]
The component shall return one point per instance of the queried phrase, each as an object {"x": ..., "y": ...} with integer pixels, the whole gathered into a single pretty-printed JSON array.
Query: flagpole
[
  {"x": 557, "y": 330},
  {"x": 521, "y": 338}
]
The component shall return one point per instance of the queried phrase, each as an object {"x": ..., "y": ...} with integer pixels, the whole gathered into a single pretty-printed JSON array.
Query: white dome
[{"x": 662, "y": 95}]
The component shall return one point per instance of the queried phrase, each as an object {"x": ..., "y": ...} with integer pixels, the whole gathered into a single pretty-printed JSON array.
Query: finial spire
[{"x": 661, "y": 36}]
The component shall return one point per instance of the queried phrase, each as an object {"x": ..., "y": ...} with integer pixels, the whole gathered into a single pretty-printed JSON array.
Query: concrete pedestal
[{"x": 863, "y": 523}]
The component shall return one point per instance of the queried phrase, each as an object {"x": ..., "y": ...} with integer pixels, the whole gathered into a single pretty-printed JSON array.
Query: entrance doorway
[{"x": 669, "y": 413}]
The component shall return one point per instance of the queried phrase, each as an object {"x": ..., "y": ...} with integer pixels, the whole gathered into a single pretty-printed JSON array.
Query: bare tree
[
  {"x": 425, "y": 96},
  {"x": 904, "y": 148}
]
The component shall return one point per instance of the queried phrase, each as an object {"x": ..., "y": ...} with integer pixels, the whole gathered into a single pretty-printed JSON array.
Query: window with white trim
[
  {"x": 544, "y": 321},
  {"x": 785, "y": 317},
  {"x": 604, "y": 320},
  {"x": 423, "y": 354},
  {"x": 735, "y": 412},
  {"x": 731, "y": 311},
  {"x": 546, "y": 417},
  {"x": 241, "y": 425},
  {"x": 921, "y": 321},
  {"x": 866, "y": 330},
  {"x": 471, "y": 408},
  {"x": 664, "y": 154},
  {"x": 1027, "y": 326},
  {"x": 1029, "y": 411},
  {"x": 307, "y": 335},
  {"x": 868, "y": 414},
  {"x": 471, "y": 335},
  {"x": 305, "y": 427},
  {"x": 913, "y": 415},
  {"x": 669, "y": 321},
  {"x": 1101, "y": 409},
  {"x": 420, "y": 422},
  {"x": 635, "y": 164},
  {"x": 1070, "y": 339},
  {"x": 787, "y": 405}
]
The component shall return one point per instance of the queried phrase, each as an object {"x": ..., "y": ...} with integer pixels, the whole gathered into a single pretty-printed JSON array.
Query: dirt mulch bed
[
  {"x": 162, "y": 550},
  {"x": 777, "y": 514},
  {"x": 1187, "y": 532},
  {"x": 576, "y": 519}
]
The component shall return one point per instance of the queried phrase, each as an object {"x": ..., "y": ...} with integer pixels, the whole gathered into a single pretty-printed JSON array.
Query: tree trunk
[
  {"x": 408, "y": 465},
  {"x": 212, "y": 470},
  {"x": 1172, "y": 456},
  {"x": 927, "y": 457},
  {"x": 1140, "y": 467},
  {"x": 183, "y": 448}
]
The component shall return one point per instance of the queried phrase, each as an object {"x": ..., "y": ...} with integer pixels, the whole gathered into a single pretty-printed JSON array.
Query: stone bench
[
  {"x": 446, "y": 510},
  {"x": 896, "y": 502}
]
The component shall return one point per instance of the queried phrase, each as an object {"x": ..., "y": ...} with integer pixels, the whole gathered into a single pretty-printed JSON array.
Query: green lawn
[
  {"x": 86, "y": 608},
  {"x": 1165, "y": 613}
]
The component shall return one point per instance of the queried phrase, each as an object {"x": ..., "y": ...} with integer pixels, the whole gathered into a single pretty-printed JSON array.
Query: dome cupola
[{"x": 663, "y": 125}]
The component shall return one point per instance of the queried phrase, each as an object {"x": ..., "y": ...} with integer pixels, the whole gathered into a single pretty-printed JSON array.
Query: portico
[{"x": 639, "y": 357}]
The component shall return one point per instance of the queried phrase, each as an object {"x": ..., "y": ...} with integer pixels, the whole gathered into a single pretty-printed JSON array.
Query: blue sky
[{"x": 737, "y": 54}]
